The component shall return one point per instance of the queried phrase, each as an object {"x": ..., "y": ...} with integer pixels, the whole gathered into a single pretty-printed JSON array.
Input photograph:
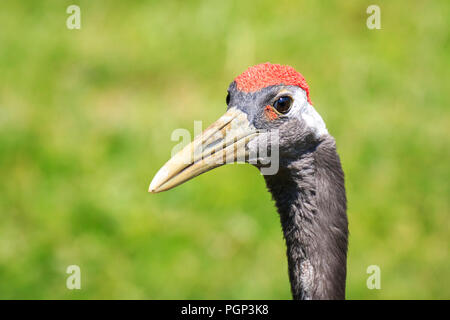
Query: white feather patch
[{"x": 307, "y": 112}]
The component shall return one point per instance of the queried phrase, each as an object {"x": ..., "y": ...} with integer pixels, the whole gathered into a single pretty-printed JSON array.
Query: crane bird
[{"x": 308, "y": 187}]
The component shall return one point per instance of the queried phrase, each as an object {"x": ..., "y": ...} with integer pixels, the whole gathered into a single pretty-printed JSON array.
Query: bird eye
[
  {"x": 228, "y": 98},
  {"x": 283, "y": 104}
]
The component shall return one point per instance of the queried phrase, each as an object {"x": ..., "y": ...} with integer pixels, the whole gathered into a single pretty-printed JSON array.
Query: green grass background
[{"x": 86, "y": 117}]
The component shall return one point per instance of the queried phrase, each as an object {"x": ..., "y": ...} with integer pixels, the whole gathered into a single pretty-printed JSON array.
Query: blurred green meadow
[{"x": 86, "y": 118}]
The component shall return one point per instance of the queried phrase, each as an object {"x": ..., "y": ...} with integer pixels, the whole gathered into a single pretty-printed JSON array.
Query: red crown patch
[{"x": 266, "y": 74}]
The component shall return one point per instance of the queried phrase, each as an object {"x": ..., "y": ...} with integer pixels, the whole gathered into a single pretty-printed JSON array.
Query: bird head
[{"x": 268, "y": 106}]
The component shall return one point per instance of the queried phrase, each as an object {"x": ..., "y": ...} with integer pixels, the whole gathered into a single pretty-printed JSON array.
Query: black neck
[{"x": 310, "y": 196}]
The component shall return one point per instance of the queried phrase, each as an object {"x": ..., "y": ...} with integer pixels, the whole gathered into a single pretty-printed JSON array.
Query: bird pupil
[
  {"x": 283, "y": 104},
  {"x": 228, "y": 98}
]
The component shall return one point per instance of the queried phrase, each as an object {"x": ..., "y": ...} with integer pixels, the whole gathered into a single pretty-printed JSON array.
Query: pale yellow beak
[{"x": 225, "y": 141}]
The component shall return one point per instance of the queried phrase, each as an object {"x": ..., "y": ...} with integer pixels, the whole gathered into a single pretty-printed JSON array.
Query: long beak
[{"x": 225, "y": 141}]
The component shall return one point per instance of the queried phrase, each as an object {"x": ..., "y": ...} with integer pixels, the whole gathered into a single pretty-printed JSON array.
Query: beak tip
[
  {"x": 158, "y": 180},
  {"x": 152, "y": 188}
]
